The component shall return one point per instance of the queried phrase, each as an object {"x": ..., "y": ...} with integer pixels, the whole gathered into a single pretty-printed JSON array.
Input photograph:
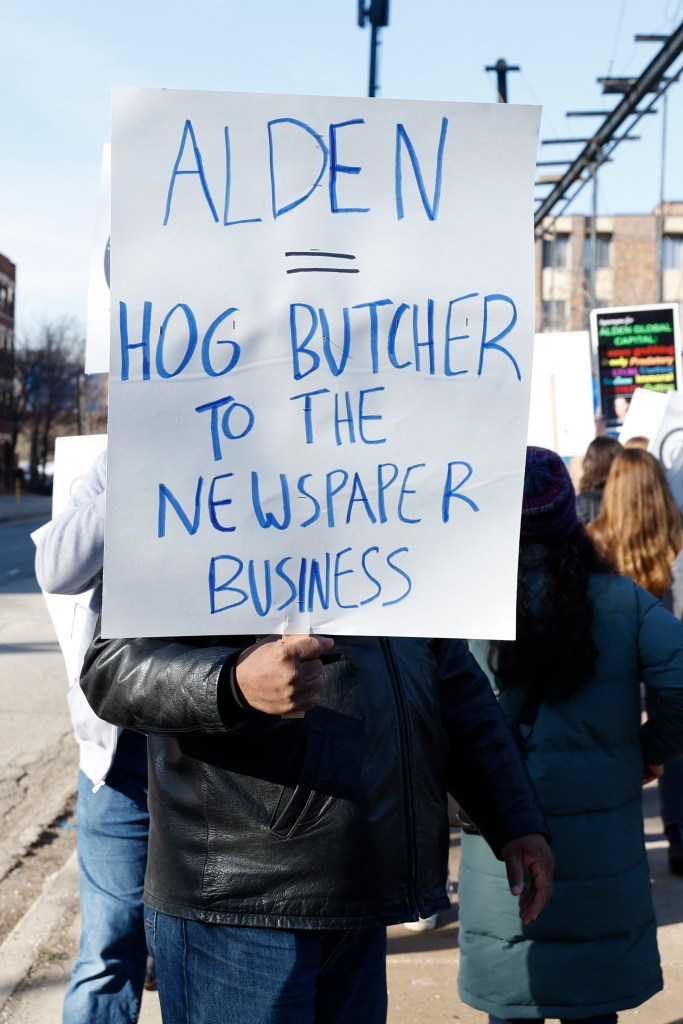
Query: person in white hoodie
[{"x": 109, "y": 972}]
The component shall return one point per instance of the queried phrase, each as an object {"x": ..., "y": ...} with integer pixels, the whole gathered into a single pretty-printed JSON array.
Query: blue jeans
[
  {"x": 108, "y": 975},
  {"x": 208, "y": 974},
  {"x": 671, "y": 794},
  {"x": 603, "y": 1018}
]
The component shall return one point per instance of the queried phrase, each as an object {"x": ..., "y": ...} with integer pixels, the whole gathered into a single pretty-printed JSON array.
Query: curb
[
  {"x": 34, "y": 519},
  {"x": 29, "y": 506},
  {"x": 22, "y": 946}
]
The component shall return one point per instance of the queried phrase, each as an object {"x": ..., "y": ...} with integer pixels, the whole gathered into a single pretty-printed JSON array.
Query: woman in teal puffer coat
[{"x": 570, "y": 684}]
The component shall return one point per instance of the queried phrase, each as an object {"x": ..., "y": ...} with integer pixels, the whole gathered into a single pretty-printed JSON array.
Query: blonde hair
[{"x": 639, "y": 526}]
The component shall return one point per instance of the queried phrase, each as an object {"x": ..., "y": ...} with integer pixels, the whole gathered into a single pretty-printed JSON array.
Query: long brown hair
[
  {"x": 597, "y": 462},
  {"x": 639, "y": 526}
]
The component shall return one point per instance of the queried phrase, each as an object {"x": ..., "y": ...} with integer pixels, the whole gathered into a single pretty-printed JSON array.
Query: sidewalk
[{"x": 422, "y": 967}]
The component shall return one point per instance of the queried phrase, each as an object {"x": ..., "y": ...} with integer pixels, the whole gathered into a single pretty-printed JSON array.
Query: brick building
[
  {"x": 639, "y": 261},
  {"x": 7, "y": 283}
]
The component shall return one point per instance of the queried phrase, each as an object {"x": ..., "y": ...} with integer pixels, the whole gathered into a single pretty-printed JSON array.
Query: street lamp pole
[{"x": 377, "y": 12}]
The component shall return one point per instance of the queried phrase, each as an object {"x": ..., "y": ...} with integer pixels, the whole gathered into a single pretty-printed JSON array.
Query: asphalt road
[{"x": 17, "y": 552}]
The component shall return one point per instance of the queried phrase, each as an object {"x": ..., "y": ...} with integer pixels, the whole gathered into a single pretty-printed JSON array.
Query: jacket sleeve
[
  {"x": 486, "y": 772},
  {"x": 160, "y": 685},
  {"x": 71, "y": 551},
  {"x": 660, "y": 653}
]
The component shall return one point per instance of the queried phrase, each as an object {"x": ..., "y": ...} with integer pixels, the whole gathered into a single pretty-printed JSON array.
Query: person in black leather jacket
[{"x": 304, "y": 837}]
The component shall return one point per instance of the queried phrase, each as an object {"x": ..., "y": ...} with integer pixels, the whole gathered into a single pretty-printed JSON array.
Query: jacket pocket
[{"x": 300, "y": 806}]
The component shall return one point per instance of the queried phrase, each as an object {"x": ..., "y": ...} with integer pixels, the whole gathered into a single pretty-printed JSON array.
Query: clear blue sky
[{"x": 59, "y": 62}]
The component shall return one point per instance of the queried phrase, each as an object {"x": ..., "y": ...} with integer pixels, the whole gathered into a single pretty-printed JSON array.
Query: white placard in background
[
  {"x": 674, "y": 474},
  {"x": 644, "y": 415},
  {"x": 561, "y": 414},
  {"x": 667, "y": 443},
  {"x": 97, "y": 334},
  {"x": 73, "y": 458},
  {"x": 322, "y": 325}
]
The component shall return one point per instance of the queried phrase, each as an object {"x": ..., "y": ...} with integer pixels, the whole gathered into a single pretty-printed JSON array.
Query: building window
[
  {"x": 672, "y": 252},
  {"x": 603, "y": 251},
  {"x": 554, "y": 315},
  {"x": 556, "y": 251},
  {"x": 6, "y": 295}
]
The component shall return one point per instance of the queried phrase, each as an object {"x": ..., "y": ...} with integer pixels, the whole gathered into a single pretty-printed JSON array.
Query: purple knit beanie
[{"x": 549, "y": 502}]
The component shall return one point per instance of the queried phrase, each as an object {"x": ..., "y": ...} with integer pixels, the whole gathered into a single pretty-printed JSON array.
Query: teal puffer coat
[{"x": 593, "y": 949}]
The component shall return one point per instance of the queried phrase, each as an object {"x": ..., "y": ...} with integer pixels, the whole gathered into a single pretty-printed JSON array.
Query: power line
[{"x": 605, "y": 139}]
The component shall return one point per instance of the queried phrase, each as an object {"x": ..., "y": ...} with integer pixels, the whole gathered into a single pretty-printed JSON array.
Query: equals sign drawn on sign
[{"x": 318, "y": 255}]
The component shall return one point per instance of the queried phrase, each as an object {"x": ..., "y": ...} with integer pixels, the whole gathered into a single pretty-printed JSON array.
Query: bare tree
[{"x": 47, "y": 388}]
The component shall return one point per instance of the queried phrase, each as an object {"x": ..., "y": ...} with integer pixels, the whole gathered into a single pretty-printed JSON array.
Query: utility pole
[
  {"x": 377, "y": 12},
  {"x": 501, "y": 67},
  {"x": 662, "y": 195},
  {"x": 593, "y": 269}
]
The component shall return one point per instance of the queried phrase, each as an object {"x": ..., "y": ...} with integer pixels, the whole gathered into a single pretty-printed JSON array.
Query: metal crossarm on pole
[{"x": 593, "y": 150}]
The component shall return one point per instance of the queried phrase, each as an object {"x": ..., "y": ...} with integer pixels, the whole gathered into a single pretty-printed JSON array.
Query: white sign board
[
  {"x": 73, "y": 458},
  {"x": 667, "y": 443},
  {"x": 561, "y": 414},
  {"x": 674, "y": 474},
  {"x": 322, "y": 324},
  {"x": 644, "y": 415},
  {"x": 97, "y": 334}
]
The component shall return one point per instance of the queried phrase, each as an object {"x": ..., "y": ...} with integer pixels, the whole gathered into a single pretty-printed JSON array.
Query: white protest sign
[
  {"x": 674, "y": 475},
  {"x": 644, "y": 415},
  {"x": 561, "y": 414},
  {"x": 322, "y": 324},
  {"x": 97, "y": 333},
  {"x": 73, "y": 458},
  {"x": 666, "y": 443}
]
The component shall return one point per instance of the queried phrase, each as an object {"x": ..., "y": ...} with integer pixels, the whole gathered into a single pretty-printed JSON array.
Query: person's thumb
[{"x": 513, "y": 866}]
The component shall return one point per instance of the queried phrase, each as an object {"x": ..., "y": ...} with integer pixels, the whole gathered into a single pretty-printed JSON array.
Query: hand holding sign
[{"x": 281, "y": 675}]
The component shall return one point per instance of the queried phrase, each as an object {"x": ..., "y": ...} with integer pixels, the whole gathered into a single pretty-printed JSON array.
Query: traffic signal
[{"x": 376, "y": 10}]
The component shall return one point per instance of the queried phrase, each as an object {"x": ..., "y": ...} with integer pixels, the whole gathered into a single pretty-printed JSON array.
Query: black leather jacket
[{"x": 335, "y": 820}]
